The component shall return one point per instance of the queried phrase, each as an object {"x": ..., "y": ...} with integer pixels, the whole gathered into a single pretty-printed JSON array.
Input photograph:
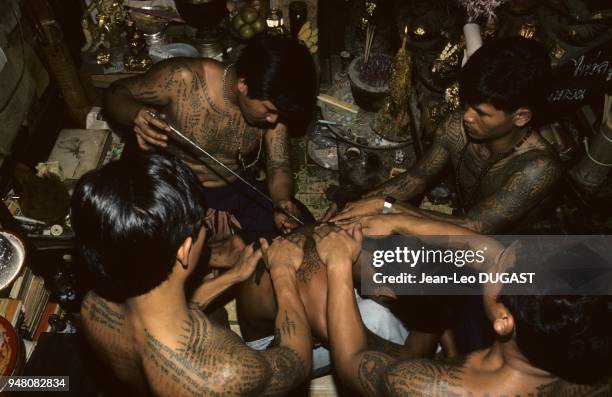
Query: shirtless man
[
  {"x": 231, "y": 111},
  {"x": 139, "y": 227},
  {"x": 543, "y": 342},
  {"x": 256, "y": 307},
  {"x": 503, "y": 168}
]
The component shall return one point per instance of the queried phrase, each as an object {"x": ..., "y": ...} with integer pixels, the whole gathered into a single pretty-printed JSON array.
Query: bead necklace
[
  {"x": 463, "y": 204},
  {"x": 231, "y": 124}
]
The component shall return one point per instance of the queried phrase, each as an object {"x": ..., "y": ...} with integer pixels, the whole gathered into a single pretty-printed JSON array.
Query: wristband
[{"x": 388, "y": 204}]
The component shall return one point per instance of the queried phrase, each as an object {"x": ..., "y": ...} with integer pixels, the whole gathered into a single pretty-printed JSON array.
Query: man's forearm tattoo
[
  {"x": 371, "y": 371},
  {"x": 286, "y": 367}
]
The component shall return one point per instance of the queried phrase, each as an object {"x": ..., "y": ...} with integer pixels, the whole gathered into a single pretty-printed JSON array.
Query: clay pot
[{"x": 370, "y": 82}]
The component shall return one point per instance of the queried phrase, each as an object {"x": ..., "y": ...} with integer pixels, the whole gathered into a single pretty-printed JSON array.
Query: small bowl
[
  {"x": 159, "y": 53},
  {"x": 12, "y": 257}
]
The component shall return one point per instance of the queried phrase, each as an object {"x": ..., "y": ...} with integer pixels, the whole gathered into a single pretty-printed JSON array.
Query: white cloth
[{"x": 376, "y": 318}]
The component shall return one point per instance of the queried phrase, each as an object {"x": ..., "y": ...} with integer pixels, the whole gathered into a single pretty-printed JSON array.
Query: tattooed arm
[
  {"x": 424, "y": 378},
  {"x": 240, "y": 271},
  {"x": 360, "y": 368},
  {"x": 413, "y": 182},
  {"x": 280, "y": 182},
  {"x": 128, "y": 101},
  {"x": 523, "y": 190},
  {"x": 291, "y": 359},
  {"x": 407, "y": 185}
]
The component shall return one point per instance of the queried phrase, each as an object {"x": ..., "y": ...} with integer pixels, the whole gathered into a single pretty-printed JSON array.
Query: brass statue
[{"x": 392, "y": 121}]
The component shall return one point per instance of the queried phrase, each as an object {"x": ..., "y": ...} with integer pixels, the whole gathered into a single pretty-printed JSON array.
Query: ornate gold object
[
  {"x": 557, "y": 52},
  {"x": 528, "y": 30},
  {"x": 448, "y": 60},
  {"x": 138, "y": 58},
  {"x": 103, "y": 56},
  {"x": 450, "y": 103},
  {"x": 419, "y": 31},
  {"x": 106, "y": 33},
  {"x": 392, "y": 121}
]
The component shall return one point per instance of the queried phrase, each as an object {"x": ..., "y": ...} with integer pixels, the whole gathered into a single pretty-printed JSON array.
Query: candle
[{"x": 405, "y": 36}]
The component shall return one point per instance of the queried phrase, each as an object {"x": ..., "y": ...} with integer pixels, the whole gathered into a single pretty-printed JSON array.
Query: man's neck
[
  {"x": 508, "y": 141},
  {"x": 507, "y": 355},
  {"x": 160, "y": 307}
]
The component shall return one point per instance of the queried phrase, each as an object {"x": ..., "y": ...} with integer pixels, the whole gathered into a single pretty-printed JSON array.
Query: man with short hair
[
  {"x": 546, "y": 345},
  {"x": 232, "y": 112},
  {"x": 139, "y": 225},
  {"x": 502, "y": 167}
]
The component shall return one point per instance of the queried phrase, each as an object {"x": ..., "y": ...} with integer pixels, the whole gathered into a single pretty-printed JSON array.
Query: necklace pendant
[{"x": 241, "y": 161}]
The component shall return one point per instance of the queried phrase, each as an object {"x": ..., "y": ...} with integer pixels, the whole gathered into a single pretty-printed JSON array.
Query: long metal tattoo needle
[{"x": 225, "y": 167}]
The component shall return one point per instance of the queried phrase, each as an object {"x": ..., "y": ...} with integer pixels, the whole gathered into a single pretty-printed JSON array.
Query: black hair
[
  {"x": 508, "y": 73},
  {"x": 568, "y": 336},
  {"x": 130, "y": 217},
  {"x": 280, "y": 70}
]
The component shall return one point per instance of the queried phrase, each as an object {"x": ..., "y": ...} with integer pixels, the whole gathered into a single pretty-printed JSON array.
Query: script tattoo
[
  {"x": 424, "y": 378},
  {"x": 197, "y": 108},
  {"x": 99, "y": 312},
  {"x": 205, "y": 361}
]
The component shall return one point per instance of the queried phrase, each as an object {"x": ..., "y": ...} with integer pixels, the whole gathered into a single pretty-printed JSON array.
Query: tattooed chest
[{"x": 481, "y": 177}]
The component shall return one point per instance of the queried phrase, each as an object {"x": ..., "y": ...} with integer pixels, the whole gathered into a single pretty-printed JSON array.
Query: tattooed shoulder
[
  {"x": 204, "y": 360},
  {"x": 101, "y": 313},
  {"x": 425, "y": 378}
]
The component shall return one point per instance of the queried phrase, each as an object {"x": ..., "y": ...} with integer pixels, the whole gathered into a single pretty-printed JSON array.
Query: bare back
[
  {"x": 257, "y": 307},
  {"x": 188, "y": 357},
  {"x": 112, "y": 339}
]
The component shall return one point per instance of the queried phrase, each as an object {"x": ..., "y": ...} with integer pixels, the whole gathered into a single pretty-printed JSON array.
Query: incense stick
[
  {"x": 368, "y": 42},
  {"x": 607, "y": 108}
]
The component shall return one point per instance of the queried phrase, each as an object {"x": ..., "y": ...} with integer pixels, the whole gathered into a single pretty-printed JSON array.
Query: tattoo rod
[{"x": 225, "y": 167}]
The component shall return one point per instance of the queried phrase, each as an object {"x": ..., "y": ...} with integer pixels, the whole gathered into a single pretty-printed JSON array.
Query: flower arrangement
[{"x": 480, "y": 8}]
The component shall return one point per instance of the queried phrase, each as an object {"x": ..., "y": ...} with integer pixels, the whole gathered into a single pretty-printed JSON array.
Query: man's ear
[
  {"x": 522, "y": 116},
  {"x": 243, "y": 88},
  {"x": 182, "y": 255},
  {"x": 501, "y": 318}
]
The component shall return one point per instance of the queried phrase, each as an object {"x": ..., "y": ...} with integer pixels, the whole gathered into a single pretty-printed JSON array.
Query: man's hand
[
  {"x": 374, "y": 226},
  {"x": 151, "y": 129},
  {"x": 332, "y": 210},
  {"x": 245, "y": 266},
  {"x": 363, "y": 207},
  {"x": 335, "y": 244},
  {"x": 284, "y": 254},
  {"x": 284, "y": 223},
  {"x": 226, "y": 253}
]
